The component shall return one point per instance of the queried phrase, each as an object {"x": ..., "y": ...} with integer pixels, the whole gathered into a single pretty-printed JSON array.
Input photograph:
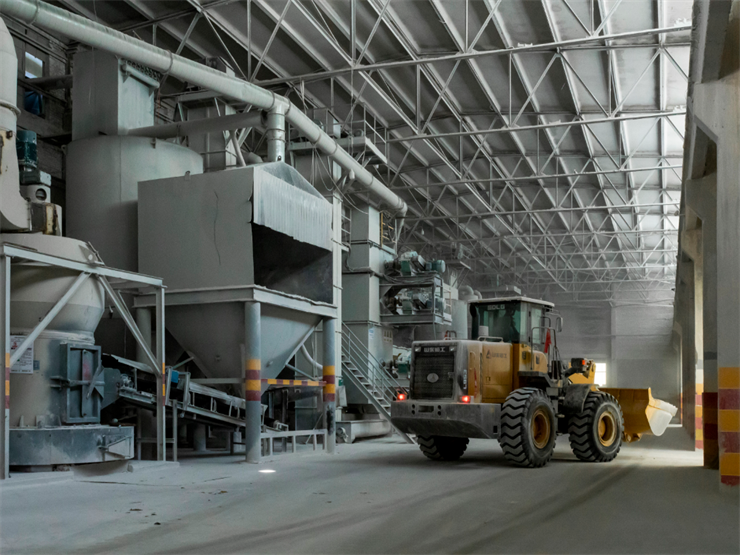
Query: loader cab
[{"x": 511, "y": 320}]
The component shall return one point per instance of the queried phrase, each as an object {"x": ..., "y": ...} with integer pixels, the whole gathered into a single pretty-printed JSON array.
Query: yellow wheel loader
[{"x": 510, "y": 384}]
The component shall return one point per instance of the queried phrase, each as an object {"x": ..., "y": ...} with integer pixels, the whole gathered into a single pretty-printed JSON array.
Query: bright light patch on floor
[
  {"x": 600, "y": 374},
  {"x": 267, "y": 471}
]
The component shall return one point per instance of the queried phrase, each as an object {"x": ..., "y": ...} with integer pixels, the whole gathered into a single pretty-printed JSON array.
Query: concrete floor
[{"x": 383, "y": 497}]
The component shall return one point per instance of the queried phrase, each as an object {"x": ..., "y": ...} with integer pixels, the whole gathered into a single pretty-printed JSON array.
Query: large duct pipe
[
  {"x": 13, "y": 207},
  {"x": 99, "y": 36},
  {"x": 201, "y": 126}
]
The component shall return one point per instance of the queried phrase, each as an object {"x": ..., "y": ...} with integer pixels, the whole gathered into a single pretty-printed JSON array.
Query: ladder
[{"x": 370, "y": 377}]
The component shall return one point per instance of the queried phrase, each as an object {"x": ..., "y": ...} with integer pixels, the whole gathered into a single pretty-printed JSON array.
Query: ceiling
[{"x": 538, "y": 143}]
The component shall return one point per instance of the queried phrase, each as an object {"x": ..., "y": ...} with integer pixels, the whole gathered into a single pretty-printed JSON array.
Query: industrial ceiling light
[{"x": 267, "y": 471}]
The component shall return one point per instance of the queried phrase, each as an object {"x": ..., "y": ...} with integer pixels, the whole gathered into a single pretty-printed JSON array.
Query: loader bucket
[{"x": 643, "y": 414}]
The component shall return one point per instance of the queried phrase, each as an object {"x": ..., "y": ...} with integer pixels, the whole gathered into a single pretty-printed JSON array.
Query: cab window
[
  {"x": 536, "y": 331},
  {"x": 505, "y": 320}
]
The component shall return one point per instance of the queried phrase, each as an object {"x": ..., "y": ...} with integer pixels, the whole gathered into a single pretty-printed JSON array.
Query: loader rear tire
[
  {"x": 528, "y": 428},
  {"x": 442, "y": 448},
  {"x": 596, "y": 432}
]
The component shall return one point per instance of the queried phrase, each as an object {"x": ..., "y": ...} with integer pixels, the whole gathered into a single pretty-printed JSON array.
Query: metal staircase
[{"x": 361, "y": 368}]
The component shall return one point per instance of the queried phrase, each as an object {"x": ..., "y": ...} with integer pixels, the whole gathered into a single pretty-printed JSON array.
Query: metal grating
[{"x": 443, "y": 366}]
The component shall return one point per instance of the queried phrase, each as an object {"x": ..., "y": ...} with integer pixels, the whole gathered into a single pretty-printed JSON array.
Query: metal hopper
[{"x": 222, "y": 239}]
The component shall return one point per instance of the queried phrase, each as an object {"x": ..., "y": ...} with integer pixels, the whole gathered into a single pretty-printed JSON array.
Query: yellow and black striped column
[
  {"x": 252, "y": 382},
  {"x": 330, "y": 389},
  {"x": 729, "y": 425}
]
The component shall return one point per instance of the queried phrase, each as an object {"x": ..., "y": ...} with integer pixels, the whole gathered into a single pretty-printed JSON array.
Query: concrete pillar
[
  {"x": 329, "y": 336},
  {"x": 698, "y": 353},
  {"x": 701, "y": 199},
  {"x": 709, "y": 323},
  {"x": 716, "y": 107},
  {"x": 199, "y": 438},
  {"x": 688, "y": 348},
  {"x": 252, "y": 382},
  {"x": 691, "y": 246}
]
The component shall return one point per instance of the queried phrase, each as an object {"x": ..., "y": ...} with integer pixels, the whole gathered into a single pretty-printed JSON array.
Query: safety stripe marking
[
  {"x": 729, "y": 377},
  {"x": 729, "y": 464},
  {"x": 330, "y": 389},
  {"x": 329, "y": 371},
  {"x": 252, "y": 375},
  {"x": 310, "y": 383},
  {"x": 253, "y": 364},
  {"x": 729, "y": 399},
  {"x": 253, "y": 385},
  {"x": 729, "y": 442},
  {"x": 729, "y": 421}
]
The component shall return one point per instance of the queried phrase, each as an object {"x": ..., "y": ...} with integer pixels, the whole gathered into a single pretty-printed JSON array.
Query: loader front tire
[
  {"x": 528, "y": 428},
  {"x": 596, "y": 432},
  {"x": 442, "y": 448}
]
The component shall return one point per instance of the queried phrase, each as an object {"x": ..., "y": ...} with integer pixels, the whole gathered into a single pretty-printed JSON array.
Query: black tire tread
[
  {"x": 511, "y": 440},
  {"x": 441, "y": 448},
  {"x": 579, "y": 426}
]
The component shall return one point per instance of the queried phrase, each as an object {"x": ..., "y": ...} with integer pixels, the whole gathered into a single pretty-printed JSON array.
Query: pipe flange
[
  {"x": 274, "y": 102},
  {"x": 172, "y": 62},
  {"x": 36, "y": 13}
]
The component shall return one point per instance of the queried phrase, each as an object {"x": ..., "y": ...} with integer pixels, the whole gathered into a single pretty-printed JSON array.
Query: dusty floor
[{"x": 384, "y": 497}]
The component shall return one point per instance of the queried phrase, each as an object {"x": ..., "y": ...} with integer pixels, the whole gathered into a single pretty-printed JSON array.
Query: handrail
[{"x": 372, "y": 370}]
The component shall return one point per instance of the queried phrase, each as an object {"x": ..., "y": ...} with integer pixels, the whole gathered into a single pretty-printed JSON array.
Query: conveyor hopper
[{"x": 260, "y": 233}]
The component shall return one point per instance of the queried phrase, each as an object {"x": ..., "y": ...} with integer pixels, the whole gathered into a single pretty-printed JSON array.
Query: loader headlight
[{"x": 465, "y": 399}]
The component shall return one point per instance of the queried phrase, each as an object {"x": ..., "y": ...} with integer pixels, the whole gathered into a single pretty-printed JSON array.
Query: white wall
[{"x": 635, "y": 341}]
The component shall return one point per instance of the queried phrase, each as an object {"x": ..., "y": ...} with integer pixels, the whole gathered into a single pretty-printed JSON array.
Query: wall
[{"x": 636, "y": 342}]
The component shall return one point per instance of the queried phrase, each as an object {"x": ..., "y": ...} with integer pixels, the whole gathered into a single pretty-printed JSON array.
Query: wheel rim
[
  {"x": 540, "y": 428},
  {"x": 607, "y": 429}
]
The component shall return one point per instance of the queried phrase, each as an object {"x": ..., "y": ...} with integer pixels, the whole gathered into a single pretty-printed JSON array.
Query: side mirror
[{"x": 559, "y": 324}]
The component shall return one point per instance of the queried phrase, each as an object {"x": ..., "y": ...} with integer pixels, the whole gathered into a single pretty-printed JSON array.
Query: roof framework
[{"x": 539, "y": 142}]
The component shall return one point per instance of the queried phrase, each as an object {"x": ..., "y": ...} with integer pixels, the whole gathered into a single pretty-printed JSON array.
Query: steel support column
[
  {"x": 144, "y": 322},
  {"x": 5, "y": 348},
  {"x": 252, "y": 382},
  {"x": 329, "y": 371},
  {"x": 161, "y": 376}
]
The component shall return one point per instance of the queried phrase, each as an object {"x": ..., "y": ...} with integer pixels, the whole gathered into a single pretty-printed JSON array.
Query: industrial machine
[
  {"x": 56, "y": 383},
  {"x": 412, "y": 291},
  {"x": 510, "y": 384}
]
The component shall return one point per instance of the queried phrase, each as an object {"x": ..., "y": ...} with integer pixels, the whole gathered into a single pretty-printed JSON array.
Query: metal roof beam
[{"x": 553, "y": 47}]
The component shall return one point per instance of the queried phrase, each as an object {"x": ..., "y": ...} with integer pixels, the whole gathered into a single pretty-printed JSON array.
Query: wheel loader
[{"x": 510, "y": 384}]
